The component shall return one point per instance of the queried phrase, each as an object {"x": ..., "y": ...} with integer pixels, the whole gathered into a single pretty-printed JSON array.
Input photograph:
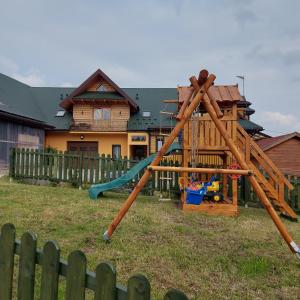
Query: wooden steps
[{"x": 268, "y": 176}]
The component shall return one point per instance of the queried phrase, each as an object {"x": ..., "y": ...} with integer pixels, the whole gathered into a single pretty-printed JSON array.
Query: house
[
  {"x": 21, "y": 119},
  {"x": 284, "y": 151},
  {"x": 97, "y": 116}
]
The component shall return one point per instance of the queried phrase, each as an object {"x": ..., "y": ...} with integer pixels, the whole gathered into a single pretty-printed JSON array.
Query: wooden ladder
[{"x": 270, "y": 178}]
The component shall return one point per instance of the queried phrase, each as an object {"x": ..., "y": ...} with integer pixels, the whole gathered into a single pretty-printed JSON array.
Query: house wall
[
  {"x": 13, "y": 135},
  {"x": 85, "y": 112},
  {"x": 286, "y": 156},
  {"x": 58, "y": 140}
]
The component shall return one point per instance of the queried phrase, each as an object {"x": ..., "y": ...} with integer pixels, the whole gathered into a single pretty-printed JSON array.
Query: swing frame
[{"x": 200, "y": 95}]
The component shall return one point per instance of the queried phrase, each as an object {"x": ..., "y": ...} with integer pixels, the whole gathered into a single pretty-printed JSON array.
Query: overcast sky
[{"x": 161, "y": 43}]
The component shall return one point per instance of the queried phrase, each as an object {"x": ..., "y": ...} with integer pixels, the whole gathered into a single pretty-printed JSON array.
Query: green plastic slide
[{"x": 96, "y": 189}]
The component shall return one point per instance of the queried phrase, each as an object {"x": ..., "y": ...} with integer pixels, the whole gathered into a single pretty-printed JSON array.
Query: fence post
[
  {"x": 138, "y": 288},
  {"x": 50, "y": 271},
  {"x": 27, "y": 267},
  {"x": 75, "y": 287},
  {"x": 80, "y": 168},
  {"x": 7, "y": 248},
  {"x": 105, "y": 282}
]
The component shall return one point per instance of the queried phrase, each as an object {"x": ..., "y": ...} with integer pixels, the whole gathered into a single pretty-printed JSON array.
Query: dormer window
[
  {"x": 60, "y": 113},
  {"x": 102, "y": 114},
  {"x": 146, "y": 114}
]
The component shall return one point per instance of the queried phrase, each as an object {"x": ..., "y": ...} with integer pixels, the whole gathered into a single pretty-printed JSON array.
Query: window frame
[
  {"x": 102, "y": 111},
  {"x": 120, "y": 151}
]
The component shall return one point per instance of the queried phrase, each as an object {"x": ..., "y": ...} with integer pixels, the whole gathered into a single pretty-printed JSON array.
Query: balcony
[{"x": 99, "y": 125}]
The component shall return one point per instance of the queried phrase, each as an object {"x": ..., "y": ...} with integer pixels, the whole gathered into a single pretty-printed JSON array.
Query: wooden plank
[
  {"x": 105, "y": 282},
  {"x": 7, "y": 248},
  {"x": 22, "y": 164},
  {"x": 234, "y": 192},
  {"x": 138, "y": 288},
  {"x": 75, "y": 279},
  {"x": 206, "y": 132},
  {"x": 50, "y": 271},
  {"x": 164, "y": 168},
  {"x": 18, "y": 162},
  {"x": 27, "y": 267},
  {"x": 97, "y": 158},
  {"x": 27, "y": 162},
  {"x": 102, "y": 167},
  {"x": 213, "y": 209}
]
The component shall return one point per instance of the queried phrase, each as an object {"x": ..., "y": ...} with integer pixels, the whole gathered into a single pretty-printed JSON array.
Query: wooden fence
[
  {"x": 80, "y": 169},
  {"x": 102, "y": 283}
]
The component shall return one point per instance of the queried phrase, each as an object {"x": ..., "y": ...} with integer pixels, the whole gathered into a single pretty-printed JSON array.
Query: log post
[
  {"x": 256, "y": 186},
  {"x": 187, "y": 114}
]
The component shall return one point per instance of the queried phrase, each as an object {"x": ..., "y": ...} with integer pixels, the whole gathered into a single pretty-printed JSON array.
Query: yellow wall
[
  {"x": 131, "y": 143},
  {"x": 58, "y": 140}
]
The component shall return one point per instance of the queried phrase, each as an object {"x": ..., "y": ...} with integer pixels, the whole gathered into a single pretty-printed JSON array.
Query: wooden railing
[
  {"x": 266, "y": 172},
  {"x": 102, "y": 283},
  {"x": 99, "y": 125}
]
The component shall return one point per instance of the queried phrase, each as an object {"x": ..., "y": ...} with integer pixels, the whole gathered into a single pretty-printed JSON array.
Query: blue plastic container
[{"x": 194, "y": 196}]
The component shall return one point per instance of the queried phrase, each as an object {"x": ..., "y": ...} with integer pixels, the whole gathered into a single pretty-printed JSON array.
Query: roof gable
[
  {"x": 91, "y": 84},
  {"x": 269, "y": 143}
]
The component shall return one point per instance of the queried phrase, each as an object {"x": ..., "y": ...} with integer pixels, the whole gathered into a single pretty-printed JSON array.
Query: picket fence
[
  {"x": 80, "y": 169},
  {"x": 102, "y": 283}
]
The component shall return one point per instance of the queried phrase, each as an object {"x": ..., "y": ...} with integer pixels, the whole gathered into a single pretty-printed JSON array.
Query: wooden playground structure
[{"x": 210, "y": 127}]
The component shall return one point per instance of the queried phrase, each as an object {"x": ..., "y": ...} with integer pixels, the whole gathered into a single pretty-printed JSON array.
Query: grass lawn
[{"x": 206, "y": 257}]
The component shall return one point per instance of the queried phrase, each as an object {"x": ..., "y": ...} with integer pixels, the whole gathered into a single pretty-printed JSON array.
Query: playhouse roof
[{"x": 224, "y": 94}]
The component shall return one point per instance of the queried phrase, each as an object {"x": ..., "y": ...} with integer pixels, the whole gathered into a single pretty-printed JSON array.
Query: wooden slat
[
  {"x": 7, "y": 248},
  {"x": 105, "y": 282},
  {"x": 138, "y": 288},
  {"x": 27, "y": 267},
  {"x": 75, "y": 285},
  {"x": 50, "y": 271}
]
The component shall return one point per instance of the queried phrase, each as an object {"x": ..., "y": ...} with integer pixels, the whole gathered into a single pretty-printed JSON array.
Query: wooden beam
[
  {"x": 171, "y": 101},
  {"x": 215, "y": 104},
  {"x": 175, "y": 132},
  {"x": 200, "y": 170},
  {"x": 203, "y": 75}
]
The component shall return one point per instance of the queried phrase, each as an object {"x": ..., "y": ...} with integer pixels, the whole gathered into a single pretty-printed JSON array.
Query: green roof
[
  {"x": 250, "y": 126},
  {"x": 99, "y": 95},
  {"x": 43, "y": 103}
]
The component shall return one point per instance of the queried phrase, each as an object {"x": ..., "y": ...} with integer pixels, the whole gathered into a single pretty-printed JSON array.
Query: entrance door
[
  {"x": 138, "y": 152},
  {"x": 87, "y": 147}
]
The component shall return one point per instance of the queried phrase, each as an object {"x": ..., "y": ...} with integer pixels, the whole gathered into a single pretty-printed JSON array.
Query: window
[
  {"x": 159, "y": 143},
  {"x": 102, "y": 114},
  {"x": 101, "y": 88},
  {"x": 60, "y": 113},
  {"x": 138, "y": 138},
  {"x": 116, "y": 151},
  {"x": 146, "y": 114}
]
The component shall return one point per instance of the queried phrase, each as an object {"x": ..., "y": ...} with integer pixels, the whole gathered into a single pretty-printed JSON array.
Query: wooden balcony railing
[{"x": 99, "y": 125}]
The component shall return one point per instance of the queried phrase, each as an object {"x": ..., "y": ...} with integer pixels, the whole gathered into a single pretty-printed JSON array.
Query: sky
[{"x": 161, "y": 43}]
